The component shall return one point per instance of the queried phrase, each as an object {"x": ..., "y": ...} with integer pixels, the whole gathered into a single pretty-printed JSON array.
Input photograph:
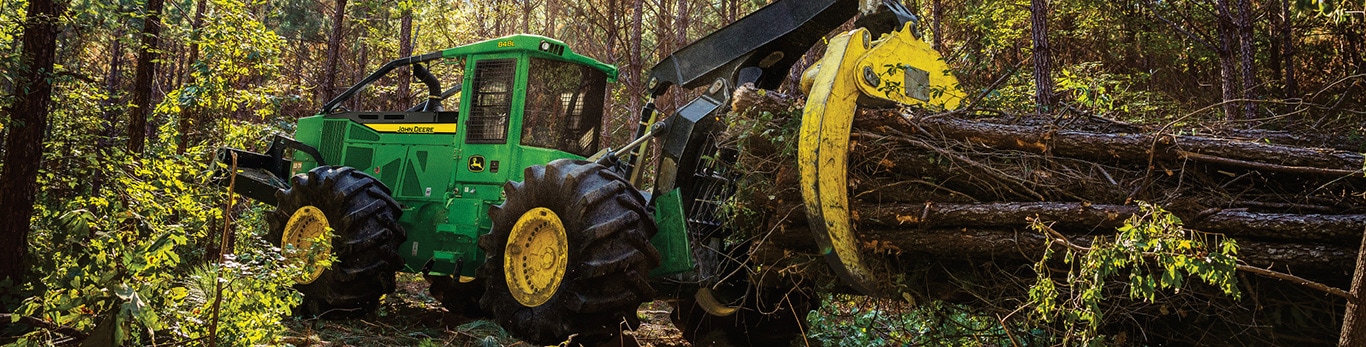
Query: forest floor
[{"x": 411, "y": 317}]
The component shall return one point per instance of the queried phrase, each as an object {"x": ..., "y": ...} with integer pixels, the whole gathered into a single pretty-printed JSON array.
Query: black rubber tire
[
  {"x": 773, "y": 317},
  {"x": 610, "y": 256},
  {"x": 366, "y": 236}
]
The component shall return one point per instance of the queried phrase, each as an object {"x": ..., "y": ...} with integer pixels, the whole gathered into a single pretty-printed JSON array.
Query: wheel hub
[
  {"x": 304, "y": 226},
  {"x": 536, "y": 258}
]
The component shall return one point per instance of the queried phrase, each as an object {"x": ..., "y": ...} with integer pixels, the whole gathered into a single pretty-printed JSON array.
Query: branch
[
  {"x": 1266, "y": 166},
  {"x": 39, "y": 323},
  {"x": 1054, "y": 236}
]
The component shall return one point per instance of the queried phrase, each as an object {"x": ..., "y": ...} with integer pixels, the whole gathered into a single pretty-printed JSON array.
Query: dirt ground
[{"x": 411, "y": 317}]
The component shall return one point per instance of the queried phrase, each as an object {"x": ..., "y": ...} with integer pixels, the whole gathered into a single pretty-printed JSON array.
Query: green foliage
[
  {"x": 1093, "y": 89},
  {"x": 133, "y": 253},
  {"x": 1151, "y": 252},
  {"x": 237, "y": 50},
  {"x": 846, "y": 320}
]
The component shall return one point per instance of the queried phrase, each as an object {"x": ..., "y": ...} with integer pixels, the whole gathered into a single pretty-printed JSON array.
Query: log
[
  {"x": 1100, "y": 217},
  {"x": 1142, "y": 147},
  {"x": 1087, "y": 218},
  {"x": 1021, "y": 246}
]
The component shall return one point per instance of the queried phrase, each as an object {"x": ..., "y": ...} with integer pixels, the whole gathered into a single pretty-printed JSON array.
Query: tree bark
[
  {"x": 634, "y": 85},
  {"x": 405, "y": 49},
  {"x": 1021, "y": 245},
  {"x": 552, "y": 11},
  {"x": 937, "y": 16},
  {"x": 1354, "y": 319},
  {"x": 1086, "y": 217},
  {"x": 1288, "y": 54},
  {"x": 142, "y": 78},
  {"x": 334, "y": 43},
  {"x": 1043, "y": 62},
  {"x": 1226, "y": 65},
  {"x": 1140, "y": 146},
  {"x": 1246, "y": 55},
  {"x": 27, "y": 131}
]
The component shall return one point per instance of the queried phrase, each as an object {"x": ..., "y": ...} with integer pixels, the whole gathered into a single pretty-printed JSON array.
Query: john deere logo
[
  {"x": 477, "y": 163},
  {"x": 416, "y": 130}
]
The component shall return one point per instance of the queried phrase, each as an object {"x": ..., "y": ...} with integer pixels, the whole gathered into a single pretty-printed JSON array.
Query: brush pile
[{"x": 942, "y": 202}]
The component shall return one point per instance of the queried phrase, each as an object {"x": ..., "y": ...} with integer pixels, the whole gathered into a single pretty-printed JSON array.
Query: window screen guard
[{"x": 564, "y": 104}]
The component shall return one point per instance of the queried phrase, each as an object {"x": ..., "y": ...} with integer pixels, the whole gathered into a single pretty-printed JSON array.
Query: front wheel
[
  {"x": 366, "y": 234},
  {"x": 568, "y": 254}
]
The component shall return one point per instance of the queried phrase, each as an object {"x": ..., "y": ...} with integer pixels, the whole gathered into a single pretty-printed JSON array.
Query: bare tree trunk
[
  {"x": 552, "y": 8},
  {"x": 142, "y": 79},
  {"x": 682, "y": 22},
  {"x": 405, "y": 48},
  {"x": 526, "y": 16},
  {"x": 1288, "y": 55},
  {"x": 1246, "y": 50},
  {"x": 633, "y": 82},
  {"x": 937, "y": 16},
  {"x": 188, "y": 114},
  {"x": 1354, "y": 319},
  {"x": 334, "y": 43},
  {"x": 1043, "y": 62},
  {"x": 1226, "y": 79},
  {"x": 27, "y": 131}
]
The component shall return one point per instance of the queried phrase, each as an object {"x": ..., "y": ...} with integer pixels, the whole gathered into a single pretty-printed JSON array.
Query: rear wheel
[
  {"x": 569, "y": 254},
  {"x": 366, "y": 234}
]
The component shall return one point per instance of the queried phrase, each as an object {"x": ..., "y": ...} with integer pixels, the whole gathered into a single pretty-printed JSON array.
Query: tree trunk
[
  {"x": 526, "y": 16},
  {"x": 1226, "y": 65},
  {"x": 1288, "y": 54},
  {"x": 1354, "y": 319},
  {"x": 142, "y": 78},
  {"x": 552, "y": 10},
  {"x": 27, "y": 131},
  {"x": 633, "y": 83},
  {"x": 1246, "y": 52},
  {"x": 682, "y": 21},
  {"x": 405, "y": 49},
  {"x": 1043, "y": 63},
  {"x": 188, "y": 114},
  {"x": 334, "y": 43},
  {"x": 937, "y": 17}
]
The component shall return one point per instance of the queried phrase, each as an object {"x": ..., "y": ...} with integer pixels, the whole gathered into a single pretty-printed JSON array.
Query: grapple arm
[{"x": 897, "y": 68}]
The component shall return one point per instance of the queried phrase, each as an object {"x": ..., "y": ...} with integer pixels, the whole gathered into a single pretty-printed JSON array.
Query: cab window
[{"x": 563, "y": 106}]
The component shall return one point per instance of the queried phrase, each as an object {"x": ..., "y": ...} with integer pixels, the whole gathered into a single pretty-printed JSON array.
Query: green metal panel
[{"x": 672, "y": 239}]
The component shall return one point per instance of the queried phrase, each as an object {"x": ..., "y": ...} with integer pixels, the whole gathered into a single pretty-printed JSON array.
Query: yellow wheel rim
[
  {"x": 303, "y": 227},
  {"x": 536, "y": 257}
]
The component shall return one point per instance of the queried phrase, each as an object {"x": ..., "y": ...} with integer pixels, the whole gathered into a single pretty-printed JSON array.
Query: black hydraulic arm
[
  {"x": 770, "y": 39},
  {"x": 759, "y": 48}
]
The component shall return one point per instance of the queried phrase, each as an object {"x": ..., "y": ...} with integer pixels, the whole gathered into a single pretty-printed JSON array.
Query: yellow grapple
[{"x": 896, "y": 68}]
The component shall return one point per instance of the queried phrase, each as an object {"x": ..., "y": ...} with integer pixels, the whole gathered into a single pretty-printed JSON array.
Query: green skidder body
[
  {"x": 524, "y": 100},
  {"x": 412, "y": 190}
]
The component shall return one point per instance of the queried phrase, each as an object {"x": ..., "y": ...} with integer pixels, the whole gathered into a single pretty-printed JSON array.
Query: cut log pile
[{"x": 951, "y": 186}]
